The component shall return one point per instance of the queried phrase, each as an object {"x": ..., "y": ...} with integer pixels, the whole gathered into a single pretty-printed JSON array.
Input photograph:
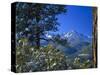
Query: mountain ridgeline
[{"x": 71, "y": 43}]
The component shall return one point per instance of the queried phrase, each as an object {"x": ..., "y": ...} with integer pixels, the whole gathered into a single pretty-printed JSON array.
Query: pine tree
[{"x": 34, "y": 20}]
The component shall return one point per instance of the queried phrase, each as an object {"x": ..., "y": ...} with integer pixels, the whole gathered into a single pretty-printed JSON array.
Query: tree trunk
[
  {"x": 37, "y": 37},
  {"x": 37, "y": 41},
  {"x": 95, "y": 37}
]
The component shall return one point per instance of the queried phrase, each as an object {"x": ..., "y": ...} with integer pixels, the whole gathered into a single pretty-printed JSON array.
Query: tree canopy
[{"x": 34, "y": 20}]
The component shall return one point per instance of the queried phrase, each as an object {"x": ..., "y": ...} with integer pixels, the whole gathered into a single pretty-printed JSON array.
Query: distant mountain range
[
  {"x": 73, "y": 37},
  {"x": 75, "y": 40}
]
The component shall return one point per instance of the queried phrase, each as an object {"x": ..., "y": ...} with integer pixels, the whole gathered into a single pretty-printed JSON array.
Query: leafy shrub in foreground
[{"x": 29, "y": 58}]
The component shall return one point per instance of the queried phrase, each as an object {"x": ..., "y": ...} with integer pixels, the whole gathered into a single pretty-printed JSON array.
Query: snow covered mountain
[
  {"x": 74, "y": 37},
  {"x": 76, "y": 41}
]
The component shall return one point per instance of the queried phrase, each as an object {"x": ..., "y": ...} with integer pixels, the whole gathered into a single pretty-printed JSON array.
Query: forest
[{"x": 38, "y": 48}]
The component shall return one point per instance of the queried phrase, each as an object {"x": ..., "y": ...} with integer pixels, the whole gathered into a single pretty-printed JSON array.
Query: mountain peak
[
  {"x": 74, "y": 36},
  {"x": 70, "y": 33},
  {"x": 73, "y": 32}
]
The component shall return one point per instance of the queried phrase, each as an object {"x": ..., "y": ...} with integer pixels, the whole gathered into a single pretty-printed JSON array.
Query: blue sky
[{"x": 77, "y": 18}]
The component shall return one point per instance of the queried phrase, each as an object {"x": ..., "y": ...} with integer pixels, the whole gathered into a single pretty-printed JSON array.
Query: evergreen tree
[{"x": 34, "y": 20}]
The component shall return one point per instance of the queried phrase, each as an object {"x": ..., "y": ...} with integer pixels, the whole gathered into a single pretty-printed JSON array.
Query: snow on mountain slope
[{"x": 75, "y": 37}]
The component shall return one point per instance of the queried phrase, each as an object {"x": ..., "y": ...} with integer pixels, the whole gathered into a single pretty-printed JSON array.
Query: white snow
[{"x": 48, "y": 36}]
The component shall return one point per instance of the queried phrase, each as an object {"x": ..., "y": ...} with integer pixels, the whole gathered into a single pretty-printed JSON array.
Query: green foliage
[
  {"x": 56, "y": 59},
  {"x": 29, "y": 58},
  {"x": 32, "y": 22},
  {"x": 60, "y": 41},
  {"x": 36, "y": 19},
  {"x": 87, "y": 49},
  {"x": 79, "y": 64}
]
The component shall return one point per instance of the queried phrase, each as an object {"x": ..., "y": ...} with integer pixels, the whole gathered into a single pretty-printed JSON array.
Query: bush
[{"x": 29, "y": 58}]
